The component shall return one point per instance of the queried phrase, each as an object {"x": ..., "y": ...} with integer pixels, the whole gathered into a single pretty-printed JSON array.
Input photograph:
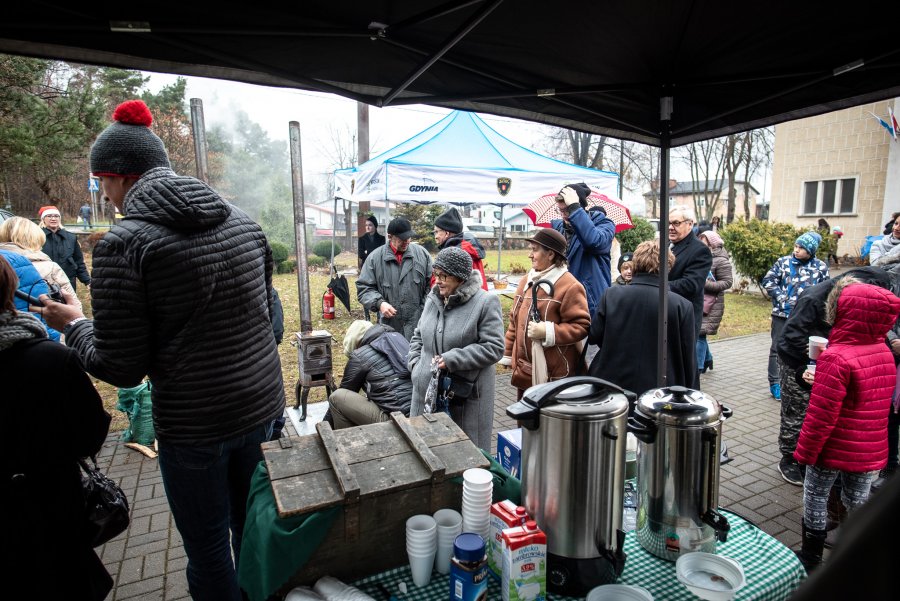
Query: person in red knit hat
[{"x": 182, "y": 293}]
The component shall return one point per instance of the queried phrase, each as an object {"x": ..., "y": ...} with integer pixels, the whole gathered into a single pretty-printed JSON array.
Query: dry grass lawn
[{"x": 744, "y": 314}]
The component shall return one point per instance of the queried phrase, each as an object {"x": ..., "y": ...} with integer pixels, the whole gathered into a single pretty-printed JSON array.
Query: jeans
[
  {"x": 854, "y": 492},
  {"x": 777, "y": 328},
  {"x": 207, "y": 487},
  {"x": 703, "y": 354}
]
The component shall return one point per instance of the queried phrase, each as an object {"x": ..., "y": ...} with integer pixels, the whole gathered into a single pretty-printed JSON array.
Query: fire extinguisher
[{"x": 328, "y": 304}]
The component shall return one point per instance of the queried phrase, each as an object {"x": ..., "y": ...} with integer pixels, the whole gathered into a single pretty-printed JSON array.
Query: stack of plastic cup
[
  {"x": 421, "y": 546},
  {"x": 478, "y": 489},
  {"x": 449, "y": 526}
]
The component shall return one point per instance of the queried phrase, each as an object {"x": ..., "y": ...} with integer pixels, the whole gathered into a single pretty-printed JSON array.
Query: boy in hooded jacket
[
  {"x": 844, "y": 433},
  {"x": 784, "y": 283}
]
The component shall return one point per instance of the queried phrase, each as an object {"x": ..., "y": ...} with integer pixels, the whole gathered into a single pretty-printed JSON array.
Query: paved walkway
[{"x": 148, "y": 561}]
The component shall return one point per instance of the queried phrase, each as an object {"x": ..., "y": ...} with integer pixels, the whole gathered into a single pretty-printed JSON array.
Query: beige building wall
[{"x": 840, "y": 145}]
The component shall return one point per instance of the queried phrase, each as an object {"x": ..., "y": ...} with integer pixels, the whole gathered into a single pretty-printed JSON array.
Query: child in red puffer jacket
[{"x": 844, "y": 432}]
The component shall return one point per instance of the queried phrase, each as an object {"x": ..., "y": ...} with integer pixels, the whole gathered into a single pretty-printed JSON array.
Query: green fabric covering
[
  {"x": 505, "y": 486},
  {"x": 136, "y": 404},
  {"x": 274, "y": 548}
]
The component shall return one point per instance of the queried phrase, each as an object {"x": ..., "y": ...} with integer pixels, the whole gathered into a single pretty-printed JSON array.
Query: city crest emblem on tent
[{"x": 503, "y": 185}]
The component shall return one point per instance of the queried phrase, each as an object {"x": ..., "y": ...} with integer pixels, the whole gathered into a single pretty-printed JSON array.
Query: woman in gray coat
[{"x": 462, "y": 327}]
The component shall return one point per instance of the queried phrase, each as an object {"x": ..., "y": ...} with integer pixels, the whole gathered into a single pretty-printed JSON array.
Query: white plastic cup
[
  {"x": 449, "y": 526},
  {"x": 817, "y": 344},
  {"x": 481, "y": 495},
  {"x": 443, "y": 556},
  {"x": 447, "y": 519},
  {"x": 420, "y": 523},
  {"x": 476, "y": 505},
  {"x": 421, "y": 566},
  {"x": 478, "y": 478},
  {"x": 421, "y": 546},
  {"x": 811, "y": 368}
]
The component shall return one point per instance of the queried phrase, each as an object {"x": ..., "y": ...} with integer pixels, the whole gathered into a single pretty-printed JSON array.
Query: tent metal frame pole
[
  {"x": 333, "y": 230},
  {"x": 500, "y": 239},
  {"x": 300, "y": 226},
  {"x": 446, "y": 47},
  {"x": 662, "y": 337}
]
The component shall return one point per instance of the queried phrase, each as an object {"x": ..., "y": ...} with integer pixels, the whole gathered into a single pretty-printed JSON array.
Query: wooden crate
[{"x": 382, "y": 474}]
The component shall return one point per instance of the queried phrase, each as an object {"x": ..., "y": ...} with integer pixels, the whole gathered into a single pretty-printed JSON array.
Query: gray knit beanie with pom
[
  {"x": 128, "y": 147},
  {"x": 454, "y": 261}
]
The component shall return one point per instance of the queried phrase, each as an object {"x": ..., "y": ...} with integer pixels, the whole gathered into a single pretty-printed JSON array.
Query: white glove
[
  {"x": 505, "y": 361},
  {"x": 537, "y": 330},
  {"x": 570, "y": 196}
]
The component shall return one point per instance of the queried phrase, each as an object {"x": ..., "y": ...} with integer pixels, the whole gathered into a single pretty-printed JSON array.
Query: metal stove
[{"x": 315, "y": 363}]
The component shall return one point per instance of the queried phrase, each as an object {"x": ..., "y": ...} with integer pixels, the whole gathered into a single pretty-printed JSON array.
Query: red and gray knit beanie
[{"x": 127, "y": 147}]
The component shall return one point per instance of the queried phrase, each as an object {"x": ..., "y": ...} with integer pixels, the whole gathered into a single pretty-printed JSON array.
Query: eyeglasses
[
  {"x": 441, "y": 277},
  {"x": 678, "y": 223}
]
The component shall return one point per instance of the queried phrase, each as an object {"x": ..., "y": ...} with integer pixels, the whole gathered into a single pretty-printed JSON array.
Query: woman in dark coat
[
  {"x": 721, "y": 280},
  {"x": 625, "y": 329},
  {"x": 49, "y": 555}
]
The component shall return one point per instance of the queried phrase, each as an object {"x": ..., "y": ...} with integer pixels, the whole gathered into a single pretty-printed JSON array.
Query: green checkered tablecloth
[{"x": 772, "y": 570}]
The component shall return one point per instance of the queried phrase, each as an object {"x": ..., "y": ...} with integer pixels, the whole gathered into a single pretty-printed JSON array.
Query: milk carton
[
  {"x": 524, "y": 563},
  {"x": 504, "y": 514}
]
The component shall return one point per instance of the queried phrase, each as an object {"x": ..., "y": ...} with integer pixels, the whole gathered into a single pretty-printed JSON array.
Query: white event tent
[{"x": 461, "y": 160}]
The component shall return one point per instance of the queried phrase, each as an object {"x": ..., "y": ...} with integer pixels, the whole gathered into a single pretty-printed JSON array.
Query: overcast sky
[{"x": 322, "y": 116}]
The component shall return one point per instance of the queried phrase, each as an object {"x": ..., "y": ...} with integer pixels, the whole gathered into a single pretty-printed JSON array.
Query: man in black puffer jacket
[
  {"x": 377, "y": 363},
  {"x": 182, "y": 292}
]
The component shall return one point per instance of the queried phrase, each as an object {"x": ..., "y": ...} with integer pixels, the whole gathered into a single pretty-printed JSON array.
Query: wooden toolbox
[{"x": 382, "y": 474}]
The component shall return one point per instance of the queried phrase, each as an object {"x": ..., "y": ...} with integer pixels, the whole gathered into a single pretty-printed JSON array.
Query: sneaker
[
  {"x": 775, "y": 389},
  {"x": 790, "y": 471}
]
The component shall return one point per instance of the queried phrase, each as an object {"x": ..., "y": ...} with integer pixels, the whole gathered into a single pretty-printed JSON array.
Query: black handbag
[
  {"x": 455, "y": 389},
  {"x": 106, "y": 511}
]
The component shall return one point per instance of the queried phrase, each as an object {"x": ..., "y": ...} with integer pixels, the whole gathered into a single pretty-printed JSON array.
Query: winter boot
[
  {"x": 810, "y": 553},
  {"x": 882, "y": 479}
]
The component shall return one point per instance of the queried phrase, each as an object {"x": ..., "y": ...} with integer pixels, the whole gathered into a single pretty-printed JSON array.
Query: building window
[{"x": 829, "y": 197}]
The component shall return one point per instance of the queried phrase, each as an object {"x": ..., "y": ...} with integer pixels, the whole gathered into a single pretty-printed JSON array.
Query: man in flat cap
[{"x": 396, "y": 278}]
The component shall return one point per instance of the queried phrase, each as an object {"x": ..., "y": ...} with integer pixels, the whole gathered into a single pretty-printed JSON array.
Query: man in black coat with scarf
[{"x": 693, "y": 261}]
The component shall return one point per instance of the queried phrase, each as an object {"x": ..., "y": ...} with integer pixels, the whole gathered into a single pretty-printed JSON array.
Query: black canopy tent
[{"x": 660, "y": 73}]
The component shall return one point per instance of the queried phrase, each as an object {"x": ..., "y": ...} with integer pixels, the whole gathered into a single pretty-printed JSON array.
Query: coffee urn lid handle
[
  {"x": 546, "y": 394},
  {"x": 678, "y": 393}
]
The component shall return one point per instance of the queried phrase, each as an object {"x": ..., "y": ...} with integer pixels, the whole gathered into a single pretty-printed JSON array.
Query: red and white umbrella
[{"x": 544, "y": 209}]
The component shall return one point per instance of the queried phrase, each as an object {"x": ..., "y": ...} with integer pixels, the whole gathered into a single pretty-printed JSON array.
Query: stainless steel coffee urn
[
  {"x": 573, "y": 466},
  {"x": 679, "y": 434}
]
